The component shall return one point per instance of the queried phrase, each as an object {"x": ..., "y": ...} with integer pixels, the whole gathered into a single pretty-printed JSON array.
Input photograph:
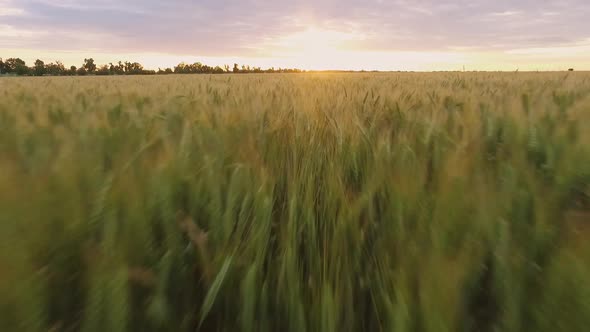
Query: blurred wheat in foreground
[{"x": 313, "y": 202}]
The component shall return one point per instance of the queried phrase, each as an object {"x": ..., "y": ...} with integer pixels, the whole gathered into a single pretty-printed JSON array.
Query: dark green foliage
[{"x": 18, "y": 67}]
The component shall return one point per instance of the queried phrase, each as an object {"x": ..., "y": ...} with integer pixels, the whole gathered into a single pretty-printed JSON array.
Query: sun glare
[
  {"x": 315, "y": 41},
  {"x": 323, "y": 49},
  {"x": 313, "y": 46}
]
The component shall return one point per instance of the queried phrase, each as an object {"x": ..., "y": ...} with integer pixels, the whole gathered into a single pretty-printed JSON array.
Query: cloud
[
  {"x": 7, "y": 11},
  {"x": 258, "y": 28}
]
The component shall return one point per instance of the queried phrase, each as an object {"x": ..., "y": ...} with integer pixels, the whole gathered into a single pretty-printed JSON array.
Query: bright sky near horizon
[{"x": 307, "y": 34}]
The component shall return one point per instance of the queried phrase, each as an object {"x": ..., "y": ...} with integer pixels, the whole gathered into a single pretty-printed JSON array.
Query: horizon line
[{"x": 245, "y": 68}]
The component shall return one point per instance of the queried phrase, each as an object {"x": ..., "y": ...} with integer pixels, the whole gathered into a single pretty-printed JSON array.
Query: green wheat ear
[
  {"x": 214, "y": 290},
  {"x": 95, "y": 305},
  {"x": 117, "y": 302},
  {"x": 250, "y": 298}
]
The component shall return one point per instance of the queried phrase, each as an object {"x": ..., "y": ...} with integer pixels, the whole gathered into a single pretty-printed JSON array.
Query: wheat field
[{"x": 304, "y": 202}]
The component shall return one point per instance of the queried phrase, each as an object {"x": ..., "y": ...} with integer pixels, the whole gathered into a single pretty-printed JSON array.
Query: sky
[{"x": 419, "y": 35}]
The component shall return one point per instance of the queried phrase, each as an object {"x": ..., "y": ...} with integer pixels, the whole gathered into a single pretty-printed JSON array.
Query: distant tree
[
  {"x": 16, "y": 66},
  {"x": 103, "y": 70},
  {"x": 50, "y": 69},
  {"x": 55, "y": 69},
  {"x": 166, "y": 71},
  {"x": 8, "y": 66},
  {"x": 89, "y": 65},
  {"x": 133, "y": 68},
  {"x": 116, "y": 69},
  {"x": 197, "y": 67},
  {"x": 207, "y": 69},
  {"x": 180, "y": 68},
  {"x": 39, "y": 68},
  {"x": 571, "y": 69},
  {"x": 23, "y": 71},
  {"x": 60, "y": 69},
  {"x": 120, "y": 68}
]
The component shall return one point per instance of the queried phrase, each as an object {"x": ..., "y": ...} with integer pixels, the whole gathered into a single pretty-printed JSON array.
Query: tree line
[{"x": 18, "y": 67}]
